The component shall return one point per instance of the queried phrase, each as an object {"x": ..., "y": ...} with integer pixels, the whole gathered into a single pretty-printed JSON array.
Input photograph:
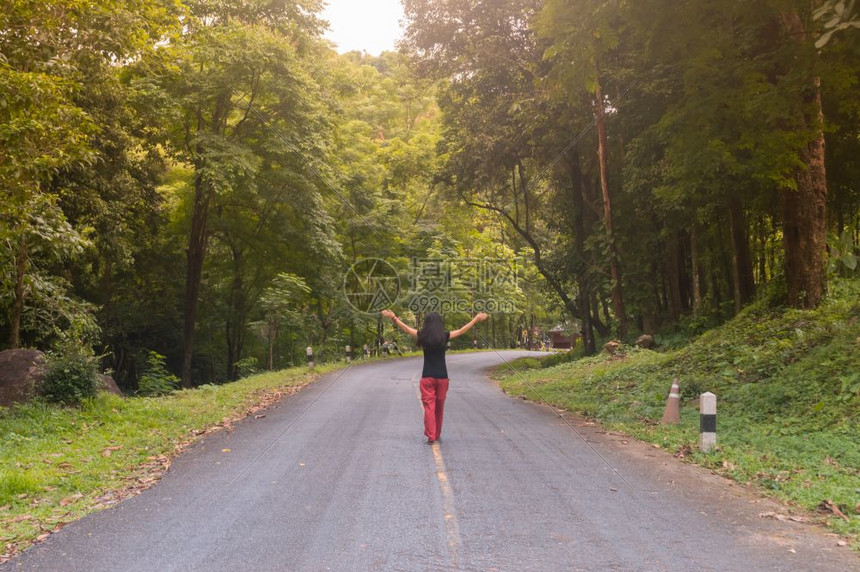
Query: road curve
[{"x": 338, "y": 477}]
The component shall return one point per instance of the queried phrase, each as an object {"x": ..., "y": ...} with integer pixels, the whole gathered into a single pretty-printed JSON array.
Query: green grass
[
  {"x": 58, "y": 464},
  {"x": 788, "y": 389}
]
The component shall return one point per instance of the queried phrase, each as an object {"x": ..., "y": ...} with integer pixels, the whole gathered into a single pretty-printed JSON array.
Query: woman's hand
[
  {"x": 479, "y": 317},
  {"x": 399, "y": 323}
]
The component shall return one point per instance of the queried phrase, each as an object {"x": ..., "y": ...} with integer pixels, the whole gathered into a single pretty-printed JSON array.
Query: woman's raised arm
[
  {"x": 399, "y": 323},
  {"x": 480, "y": 317}
]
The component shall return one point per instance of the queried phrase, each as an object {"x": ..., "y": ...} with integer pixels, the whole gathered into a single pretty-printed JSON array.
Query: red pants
[{"x": 433, "y": 392}]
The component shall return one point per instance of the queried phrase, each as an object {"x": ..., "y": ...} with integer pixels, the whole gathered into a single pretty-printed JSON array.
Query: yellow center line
[{"x": 452, "y": 527}]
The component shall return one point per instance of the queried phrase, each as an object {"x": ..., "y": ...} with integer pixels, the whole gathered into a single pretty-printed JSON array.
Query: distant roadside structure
[{"x": 559, "y": 340}]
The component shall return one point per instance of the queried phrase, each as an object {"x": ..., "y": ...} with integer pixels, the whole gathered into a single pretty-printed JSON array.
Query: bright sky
[{"x": 369, "y": 25}]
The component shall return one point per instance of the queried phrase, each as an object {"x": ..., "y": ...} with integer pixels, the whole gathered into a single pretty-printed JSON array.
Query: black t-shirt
[{"x": 434, "y": 361}]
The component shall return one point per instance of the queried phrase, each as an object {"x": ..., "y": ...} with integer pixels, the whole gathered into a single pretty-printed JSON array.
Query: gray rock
[
  {"x": 20, "y": 373},
  {"x": 22, "y": 370},
  {"x": 107, "y": 383}
]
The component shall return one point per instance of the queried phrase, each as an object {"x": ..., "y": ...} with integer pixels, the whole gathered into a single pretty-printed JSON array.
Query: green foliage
[
  {"x": 842, "y": 258},
  {"x": 528, "y": 363},
  {"x": 247, "y": 366},
  {"x": 562, "y": 357},
  {"x": 837, "y": 15},
  {"x": 850, "y": 387},
  {"x": 156, "y": 380},
  {"x": 71, "y": 375}
]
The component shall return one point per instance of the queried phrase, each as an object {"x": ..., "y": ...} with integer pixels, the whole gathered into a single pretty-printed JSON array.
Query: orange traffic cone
[{"x": 672, "y": 414}]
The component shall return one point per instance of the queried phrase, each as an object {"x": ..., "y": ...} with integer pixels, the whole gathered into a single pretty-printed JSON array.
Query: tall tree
[
  {"x": 582, "y": 36},
  {"x": 804, "y": 206},
  {"x": 54, "y": 55},
  {"x": 239, "y": 95}
]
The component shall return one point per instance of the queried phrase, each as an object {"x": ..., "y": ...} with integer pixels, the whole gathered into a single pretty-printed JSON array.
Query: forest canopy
[{"x": 207, "y": 180}]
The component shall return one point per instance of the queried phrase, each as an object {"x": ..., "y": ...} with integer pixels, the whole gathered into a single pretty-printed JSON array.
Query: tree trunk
[
  {"x": 673, "y": 277},
  {"x": 526, "y": 192},
  {"x": 531, "y": 335},
  {"x": 602, "y": 329},
  {"x": 804, "y": 209},
  {"x": 594, "y": 307},
  {"x": 21, "y": 261},
  {"x": 804, "y": 219},
  {"x": 694, "y": 259},
  {"x": 605, "y": 305},
  {"x": 516, "y": 196},
  {"x": 617, "y": 298},
  {"x": 578, "y": 203},
  {"x": 684, "y": 286},
  {"x": 742, "y": 269},
  {"x": 194, "y": 255},
  {"x": 273, "y": 337},
  {"x": 235, "y": 323},
  {"x": 727, "y": 267}
]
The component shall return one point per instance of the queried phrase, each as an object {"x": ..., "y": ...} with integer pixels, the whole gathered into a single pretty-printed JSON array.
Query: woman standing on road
[{"x": 433, "y": 339}]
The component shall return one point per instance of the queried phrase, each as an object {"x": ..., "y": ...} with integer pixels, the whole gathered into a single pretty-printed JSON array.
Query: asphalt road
[{"x": 338, "y": 477}]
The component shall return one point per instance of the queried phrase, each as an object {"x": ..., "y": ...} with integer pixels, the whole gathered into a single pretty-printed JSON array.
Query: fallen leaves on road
[{"x": 781, "y": 517}]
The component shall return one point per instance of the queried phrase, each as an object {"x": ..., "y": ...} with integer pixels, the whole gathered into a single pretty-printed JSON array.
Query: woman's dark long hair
[{"x": 431, "y": 336}]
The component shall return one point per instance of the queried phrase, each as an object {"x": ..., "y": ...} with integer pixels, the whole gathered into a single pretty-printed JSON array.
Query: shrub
[
  {"x": 247, "y": 366},
  {"x": 561, "y": 357},
  {"x": 529, "y": 363},
  {"x": 71, "y": 375},
  {"x": 156, "y": 380}
]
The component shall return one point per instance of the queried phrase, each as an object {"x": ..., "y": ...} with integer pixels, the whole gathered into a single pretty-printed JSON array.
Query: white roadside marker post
[
  {"x": 348, "y": 354},
  {"x": 310, "y": 352},
  {"x": 707, "y": 422}
]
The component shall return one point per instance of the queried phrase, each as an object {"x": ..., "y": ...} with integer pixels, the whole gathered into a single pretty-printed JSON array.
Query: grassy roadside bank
[
  {"x": 59, "y": 464},
  {"x": 788, "y": 388}
]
